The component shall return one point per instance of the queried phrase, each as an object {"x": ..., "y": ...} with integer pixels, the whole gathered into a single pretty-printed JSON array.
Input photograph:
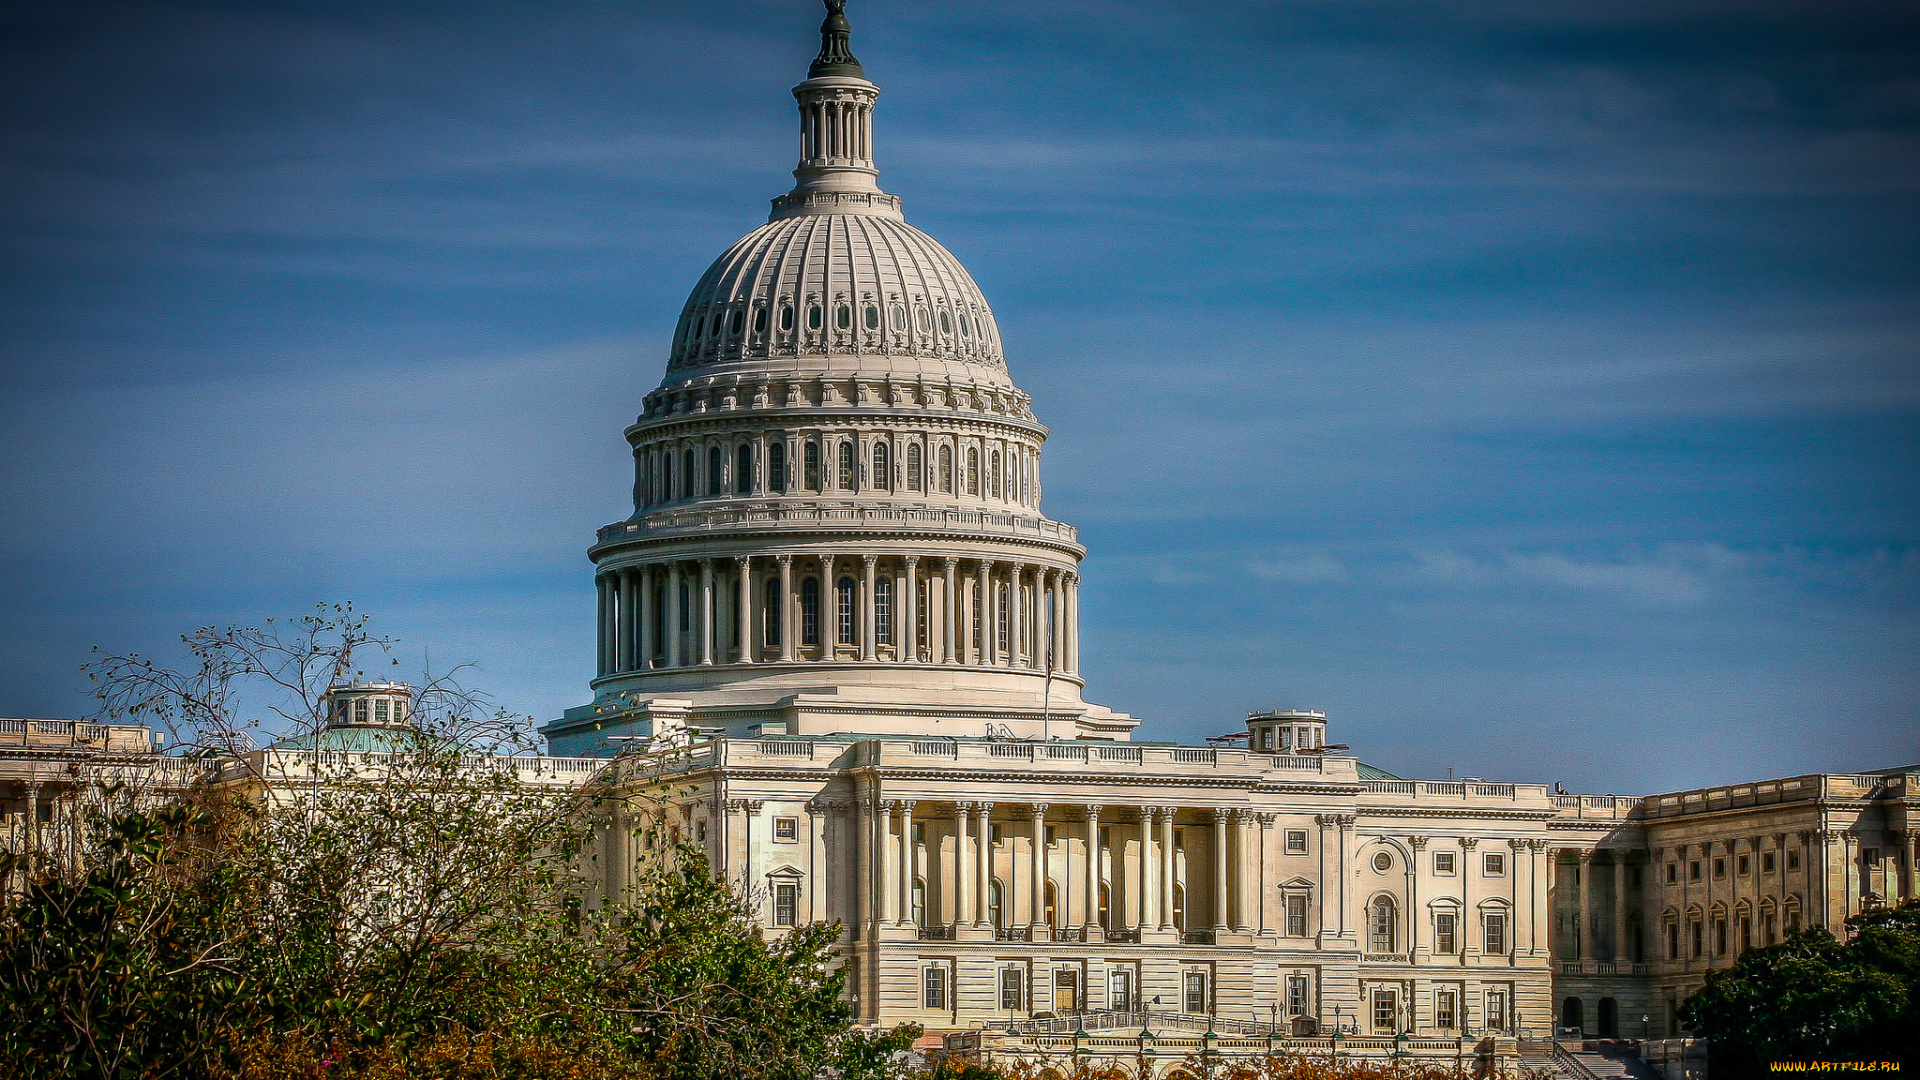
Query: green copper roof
[
  {"x": 1368, "y": 772},
  {"x": 836, "y": 54}
]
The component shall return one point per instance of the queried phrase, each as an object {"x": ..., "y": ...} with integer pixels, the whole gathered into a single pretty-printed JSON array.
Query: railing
[
  {"x": 1126, "y": 1020},
  {"x": 55, "y": 734},
  {"x": 1117, "y": 753},
  {"x": 1202, "y": 757},
  {"x": 934, "y": 933},
  {"x": 1064, "y": 751},
  {"x": 1196, "y": 937},
  {"x": 1022, "y": 751},
  {"x": 1013, "y": 933},
  {"x": 1383, "y": 958},
  {"x": 1570, "y": 1064},
  {"x": 937, "y": 749},
  {"x": 788, "y": 748},
  {"x": 1132, "y": 935},
  {"x": 699, "y": 520}
]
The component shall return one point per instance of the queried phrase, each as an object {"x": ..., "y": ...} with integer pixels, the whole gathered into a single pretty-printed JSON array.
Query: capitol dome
[
  {"x": 837, "y": 521},
  {"x": 821, "y": 281}
]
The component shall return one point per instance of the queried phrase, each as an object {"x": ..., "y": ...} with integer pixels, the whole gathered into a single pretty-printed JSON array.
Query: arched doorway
[
  {"x": 1609, "y": 1024},
  {"x": 1570, "y": 1014}
]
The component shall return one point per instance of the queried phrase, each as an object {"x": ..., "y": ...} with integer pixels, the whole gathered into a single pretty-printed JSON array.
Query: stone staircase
[{"x": 1603, "y": 1061}]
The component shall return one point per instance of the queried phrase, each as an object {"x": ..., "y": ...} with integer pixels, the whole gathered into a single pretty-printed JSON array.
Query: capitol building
[{"x": 840, "y": 628}]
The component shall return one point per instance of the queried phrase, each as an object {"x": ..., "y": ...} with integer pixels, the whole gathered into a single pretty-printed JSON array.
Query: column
[
  {"x": 1056, "y": 621},
  {"x": 1091, "y": 899},
  {"x": 789, "y": 620},
  {"x": 829, "y": 625},
  {"x": 908, "y": 650},
  {"x": 962, "y": 885},
  {"x": 743, "y": 633},
  {"x": 1542, "y": 895},
  {"x": 1849, "y": 873},
  {"x": 983, "y": 877},
  {"x": 1016, "y": 639},
  {"x": 1346, "y": 822},
  {"x": 1469, "y": 920},
  {"x": 1169, "y": 867},
  {"x": 909, "y": 861},
  {"x": 1620, "y": 902},
  {"x": 32, "y": 831},
  {"x": 625, "y": 628},
  {"x": 1037, "y": 880},
  {"x": 601, "y": 658},
  {"x": 644, "y": 631},
  {"x": 1263, "y": 828},
  {"x": 989, "y": 640},
  {"x": 1416, "y": 915},
  {"x": 676, "y": 618},
  {"x": 886, "y": 905},
  {"x": 1144, "y": 886},
  {"x": 1220, "y": 869},
  {"x": 1585, "y": 886},
  {"x": 1071, "y": 661},
  {"x": 706, "y": 612},
  {"x": 1242, "y": 903},
  {"x": 867, "y": 635},
  {"x": 952, "y": 615}
]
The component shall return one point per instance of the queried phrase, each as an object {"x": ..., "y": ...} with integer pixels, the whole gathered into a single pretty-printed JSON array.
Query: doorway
[
  {"x": 1571, "y": 1014},
  {"x": 1609, "y": 1023}
]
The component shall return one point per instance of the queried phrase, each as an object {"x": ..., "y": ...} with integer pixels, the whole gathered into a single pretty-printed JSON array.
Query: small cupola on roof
[{"x": 1287, "y": 731}]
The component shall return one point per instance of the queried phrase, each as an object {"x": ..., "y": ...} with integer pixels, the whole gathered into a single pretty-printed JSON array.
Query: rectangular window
[
  {"x": 1496, "y": 1010},
  {"x": 1445, "y": 1009},
  {"x": 1106, "y": 836},
  {"x": 1296, "y": 841},
  {"x": 1297, "y": 995},
  {"x": 1296, "y": 916},
  {"x": 1493, "y": 864},
  {"x": 785, "y": 900},
  {"x": 1695, "y": 934},
  {"x": 1719, "y": 937},
  {"x": 1386, "y": 1011},
  {"x": 883, "y": 611},
  {"x": 1443, "y": 932},
  {"x": 1766, "y": 862},
  {"x": 1120, "y": 990},
  {"x": 1673, "y": 941},
  {"x": 1443, "y": 862},
  {"x": 993, "y": 834},
  {"x": 1673, "y": 873},
  {"x": 1013, "y": 989},
  {"x": 786, "y": 829},
  {"x": 1196, "y": 996},
  {"x": 933, "y": 988},
  {"x": 360, "y": 711},
  {"x": 1693, "y": 870},
  {"x": 1719, "y": 867},
  {"x": 1633, "y": 876},
  {"x": 1744, "y": 866},
  {"x": 1496, "y": 935},
  {"x": 1052, "y": 836},
  {"x": 1793, "y": 860},
  {"x": 380, "y": 712}
]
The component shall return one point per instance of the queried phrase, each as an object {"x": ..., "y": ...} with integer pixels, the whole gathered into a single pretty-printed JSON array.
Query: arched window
[
  {"x": 996, "y": 914},
  {"x": 843, "y": 597},
  {"x": 686, "y": 474},
  {"x": 946, "y": 470},
  {"x": 714, "y": 480},
  {"x": 810, "y": 611},
  {"x": 913, "y": 467},
  {"x": 919, "y": 902},
  {"x": 973, "y": 471},
  {"x": 743, "y": 470},
  {"x": 882, "y": 467},
  {"x": 993, "y": 475},
  {"x": 1052, "y": 905},
  {"x": 1000, "y": 618},
  {"x": 811, "y": 466},
  {"x": 883, "y": 610},
  {"x": 777, "y": 466},
  {"x": 846, "y": 466},
  {"x": 1382, "y": 926},
  {"x": 771, "y": 618}
]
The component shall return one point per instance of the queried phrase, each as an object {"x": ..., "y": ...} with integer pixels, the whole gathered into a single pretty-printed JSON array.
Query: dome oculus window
[
  {"x": 813, "y": 317},
  {"x": 920, "y": 316},
  {"x": 739, "y": 319},
  {"x": 964, "y": 330},
  {"x": 760, "y": 320},
  {"x": 1382, "y": 861},
  {"x": 786, "y": 318},
  {"x": 946, "y": 322},
  {"x": 843, "y": 317},
  {"x": 873, "y": 317},
  {"x": 899, "y": 317}
]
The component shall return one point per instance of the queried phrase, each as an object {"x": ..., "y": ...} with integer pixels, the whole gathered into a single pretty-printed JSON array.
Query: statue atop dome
[{"x": 836, "y": 52}]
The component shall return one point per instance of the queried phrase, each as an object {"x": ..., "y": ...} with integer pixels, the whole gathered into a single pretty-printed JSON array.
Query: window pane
[{"x": 845, "y": 610}]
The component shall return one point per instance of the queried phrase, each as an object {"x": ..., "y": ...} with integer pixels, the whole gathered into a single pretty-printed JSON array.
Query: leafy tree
[
  {"x": 1812, "y": 998},
  {"x": 128, "y": 969}
]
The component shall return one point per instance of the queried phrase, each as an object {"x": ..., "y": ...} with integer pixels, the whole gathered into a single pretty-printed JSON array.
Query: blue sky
[{"x": 1533, "y": 386}]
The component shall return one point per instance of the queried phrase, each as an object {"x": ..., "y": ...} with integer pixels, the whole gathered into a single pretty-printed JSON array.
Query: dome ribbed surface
[{"x": 835, "y": 284}]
